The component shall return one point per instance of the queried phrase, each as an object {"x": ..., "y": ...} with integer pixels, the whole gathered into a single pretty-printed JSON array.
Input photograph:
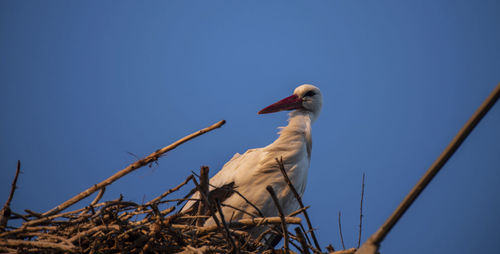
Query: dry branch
[
  {"x": 204, "y": 189},
  {"x": 282, "y": 216},
  {"x": 226, "y": 228},
  {"x": 170, "y": 191},
  {"x": 5, "y": 212},
  {"x": 302, "y": 240},
  {"x": 372, "y": 244},
  {"x": 140, "y": 163},
  {"x": 340, "y": 231},
  {"x": 360, "y": 211},
  {"x": 99, "y": 196},
  {"x": 37, "y": 244},
  {"x": 281, "y": 166}
]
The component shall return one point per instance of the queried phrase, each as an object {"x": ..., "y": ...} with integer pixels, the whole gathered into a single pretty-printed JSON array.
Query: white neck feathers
[{"x": 294, "y": 136}]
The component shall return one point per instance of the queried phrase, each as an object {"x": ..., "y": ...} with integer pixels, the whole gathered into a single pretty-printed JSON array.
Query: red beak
[{"x": 289, "y": 103}]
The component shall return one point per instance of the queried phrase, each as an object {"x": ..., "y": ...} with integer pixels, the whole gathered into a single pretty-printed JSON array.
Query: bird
[{"x": 251, "y": 172}]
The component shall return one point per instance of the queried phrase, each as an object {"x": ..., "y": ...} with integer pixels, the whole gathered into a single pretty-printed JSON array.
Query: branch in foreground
[
  {"x": 299, "y": 199},
  {"x": 226, "y": 228},
  {"x": 302, "y": 240},
  {"x": 140, "y": 163},
  {"x": 372, "y": 244},
  {"x": 270, "y": 189}
]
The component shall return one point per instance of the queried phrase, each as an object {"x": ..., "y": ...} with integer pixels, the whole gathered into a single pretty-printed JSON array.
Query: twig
[
  {"x": 5, "y": 212},
  {"x": 203, "y": 188},
  {"x": 13, "y": 186},
  {"x": 239, "y": 210},
  {"x": 33, "y": 213},
  {"x": 8, "y": 250},
  {"x": 330, "y": 248},
  {"x": 99, "y": 196},
  {"x": 294, "y": 244},
  {"x": 248, "y": 202},
  {"x": 50, "y": 218},
  {"x": 340, "y": 230},
  {"x": 270, "y": 189},
  {"x": 169, "y": 191},
  {"x": 373, "y": 242},
  {"x": 263, "y": 234},
  {"x": 45, "y": 236},
  {"x": 38, "y": 244},
  {"x": 29, "y": 229},
  {"x": 360, "y": 212},
  {"x": 251, "y": 222},
  {"x": 140, "y": 163},
  {"x": 306, "y": 235},
  {"x": 299, "y": 199},
  {"x": 226, "y": 228},
  {"x": 16, "y": 216},
  {"x": 300, "y": 210},
  {"x": 205, "y": 199},
  {"x": 302, "y": 240},
  {"x": 92, "y": 230},
  {"x": 96, "y": 199}
]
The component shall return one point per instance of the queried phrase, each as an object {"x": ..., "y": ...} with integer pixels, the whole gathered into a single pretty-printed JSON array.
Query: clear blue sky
[{"x": 85, "y": 82}]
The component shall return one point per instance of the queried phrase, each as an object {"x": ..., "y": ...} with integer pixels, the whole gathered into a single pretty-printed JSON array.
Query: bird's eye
[{"x": 310, "y": 93}]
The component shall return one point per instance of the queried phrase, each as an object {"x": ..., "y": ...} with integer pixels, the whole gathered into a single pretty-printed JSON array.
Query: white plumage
[{"x": 252, "y": 171}]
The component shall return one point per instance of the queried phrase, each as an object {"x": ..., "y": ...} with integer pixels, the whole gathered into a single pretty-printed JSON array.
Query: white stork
[{"x": 251, "y": 172}]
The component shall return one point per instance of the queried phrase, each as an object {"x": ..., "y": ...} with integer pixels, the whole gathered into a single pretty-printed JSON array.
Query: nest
[{"x": 157, "y": 226}]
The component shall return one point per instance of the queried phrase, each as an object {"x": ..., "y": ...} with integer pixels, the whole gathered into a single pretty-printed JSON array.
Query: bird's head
[{"x": 305, "y": 98}]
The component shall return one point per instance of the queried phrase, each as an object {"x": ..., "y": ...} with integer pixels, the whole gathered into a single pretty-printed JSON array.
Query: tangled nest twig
[{"x": 120, "y": 226}]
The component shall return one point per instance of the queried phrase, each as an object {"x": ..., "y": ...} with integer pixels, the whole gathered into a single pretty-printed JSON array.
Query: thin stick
[
  {"x": 300, "y": 210},
  {"x": 13, "y": 186},
  {"x": 38, "y": 244},
  {"x": 360, "y": 211},
  {"x": 18, "y": 216},
  {"x": 270, "y": 189},
  {"x": 246, "y": 200},
  {"x": 239, "y": 210},
  {"x": 140, "y": 163},
  {"x": 94, "y": 229},
  {"x": 302, "y": 240},
  {"x": 374, "y": 241},
  {"x": 251, "y": 222},
  {"x": 203, "y": 188},
  {"x": 226, "y": 228},
  {"x": 5, "y": 212},
  {"x": 205, "y": 199},
  {"x": 33, "y": 213},
  {"x": 294, "y": 244},
  {"x": 96, "y": 199},
  {"x": 169, "y": 191},
  {"x": 330, "y": 248},
  {"x": 340, "y": 230},
  {"x": 29, "y": 229},
  {"x": 299, "y": 199},
  {"x": 99, "y": 196},
  {"x": 306, "y": 235}
]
